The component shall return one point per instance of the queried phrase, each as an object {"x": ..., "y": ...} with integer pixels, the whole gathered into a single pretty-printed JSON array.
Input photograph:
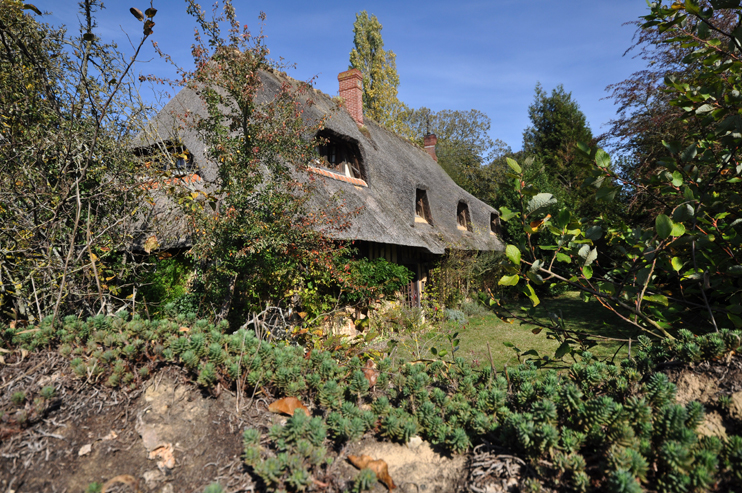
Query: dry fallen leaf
[
  {"x": 123, "y": 478},
  {"x": 287, "y": 405},
  {"x": 183, "y": 329},
  {"x": 379, "y": 468},
  {"x": 111, "y": 436},
  {"x": 165, "y": 455},
  {"x": 85, "y": 449},
  {"x": 370, "y": 372}
]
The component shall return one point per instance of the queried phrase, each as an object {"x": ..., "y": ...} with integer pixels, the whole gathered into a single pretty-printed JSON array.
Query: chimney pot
[
  {"x": 429, "y": 143},
  {"x": 351, "y": 90}
]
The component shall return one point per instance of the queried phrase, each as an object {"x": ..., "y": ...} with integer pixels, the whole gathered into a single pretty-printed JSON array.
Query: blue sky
[{"x": 485, "y": 55}]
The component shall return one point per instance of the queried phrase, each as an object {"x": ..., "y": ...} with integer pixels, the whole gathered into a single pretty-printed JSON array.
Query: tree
[
  {"x": 557, "y": 125},
  {"x": 645, "y": 116},
  {"x": 379, "y": 69},
  {"x": 679, "y": 272},
  {"x": 69, "y": 186},
  {"x": 464, "y": 149},
  {"x": 264, "y": 243}
]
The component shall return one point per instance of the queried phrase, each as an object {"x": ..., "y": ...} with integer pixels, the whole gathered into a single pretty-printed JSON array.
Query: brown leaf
[
  {"x": 137, "y": 13},
  {"x": 183, "y": 329},
  {"x": 148, "y": 25},
  {"x": 379, "y": 468},
  {"x": 123, "y": 478},
  {"x": 165, "y": 455},
  {"x": 151, "y": 244},
  {"x": 369, "y": 371},
  {"x": 287, "y": 405},
  {"x": 150, "y": 12}
]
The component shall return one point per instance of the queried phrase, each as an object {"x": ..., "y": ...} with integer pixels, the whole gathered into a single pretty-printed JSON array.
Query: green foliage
[
  {"x": 214, "y": 488},
  {"x": 370, "y": 280},
  {"x": 464, "y": 147},
  {"x": 365, "y": 481},
  {"x": 379, "y": 70},
  {"x": 68, "y": 115},
  {"x": 299, "y": 453},
  {"x": 557, "y": 125},
  {"x": 686, "y": 243},
  {"x": 18, "y": 398},
  {"x": 167, "y": 281},
  {"x": 265, "y": 242},
  {"x": 614, "y": 426},
  {"x": 48, "y": 392},
  {"x": 94, "y": 487}
]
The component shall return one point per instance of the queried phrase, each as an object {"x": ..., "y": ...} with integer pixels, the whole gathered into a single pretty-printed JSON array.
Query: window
[
  {"x": 494, "y": 224},
  {"x": 339, "y": 156},
  {"x": 422, "y": 208},
  {"x": 463, "y": 219},
  {"x": 168, "y": 156}
]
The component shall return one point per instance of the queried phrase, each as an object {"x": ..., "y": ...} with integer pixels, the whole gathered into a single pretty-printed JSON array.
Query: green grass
[{"x": 589, "y": 317}]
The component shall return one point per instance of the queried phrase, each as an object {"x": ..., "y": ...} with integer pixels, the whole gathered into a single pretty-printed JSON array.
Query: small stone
[
  {"x": 414, "y": 443},
  {"x": 85, "y": 449},
  {"x": 152, "y": 477},
  {"x": 111, "y": 436},
  {"x": 735, "y": 409},
  {"x": 149, "y": 437}
]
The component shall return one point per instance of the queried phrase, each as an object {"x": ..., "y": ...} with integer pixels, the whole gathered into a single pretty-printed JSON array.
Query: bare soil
[
  {"x": 706, "y": 383},
  {"x": 89, "y": 433}
]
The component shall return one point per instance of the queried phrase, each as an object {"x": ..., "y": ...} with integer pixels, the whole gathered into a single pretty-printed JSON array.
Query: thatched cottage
[{"x": 410, "y": 210}]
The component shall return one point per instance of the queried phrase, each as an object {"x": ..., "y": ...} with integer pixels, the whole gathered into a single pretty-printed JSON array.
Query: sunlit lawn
[{"x": 589, "y": 317}]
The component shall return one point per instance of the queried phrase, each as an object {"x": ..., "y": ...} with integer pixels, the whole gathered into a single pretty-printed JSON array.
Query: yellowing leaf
[{"x": 151, "y": 244}]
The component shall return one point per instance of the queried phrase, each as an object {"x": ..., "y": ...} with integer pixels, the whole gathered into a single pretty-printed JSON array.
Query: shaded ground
[{"x": 588, "y": 317}]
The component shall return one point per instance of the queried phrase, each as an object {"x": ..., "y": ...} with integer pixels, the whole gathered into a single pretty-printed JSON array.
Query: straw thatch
[{"x": 394, "y": 169}]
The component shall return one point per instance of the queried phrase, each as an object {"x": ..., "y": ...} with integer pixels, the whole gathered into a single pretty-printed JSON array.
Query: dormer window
[
  {"x": 494, "y": 224},
  {"x": 422, "y": 208},
  {"x": 463, "y": 219},
  {"x": 339, "y": 156},
  {"x": 168, "y": 156}
]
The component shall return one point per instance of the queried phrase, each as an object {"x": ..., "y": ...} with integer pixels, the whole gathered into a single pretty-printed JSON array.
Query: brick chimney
[
  {"x": 351, "y": 90},
  {"x": 430, "y": 141}
]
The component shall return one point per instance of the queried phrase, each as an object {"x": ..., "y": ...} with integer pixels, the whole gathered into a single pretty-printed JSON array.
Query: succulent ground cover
[{"x": 595, "y": 427}]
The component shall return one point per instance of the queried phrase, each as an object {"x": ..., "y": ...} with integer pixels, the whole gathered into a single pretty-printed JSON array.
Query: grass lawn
[{"x": 589, "y": 317}]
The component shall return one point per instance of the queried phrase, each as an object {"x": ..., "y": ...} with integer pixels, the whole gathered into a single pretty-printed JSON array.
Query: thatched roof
[{"x": 394, "y": 169}]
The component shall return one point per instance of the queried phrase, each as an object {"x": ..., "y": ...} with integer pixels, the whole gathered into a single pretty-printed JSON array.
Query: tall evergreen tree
[
  {"x": 557, "y": 125},
  {"x": 380, "y": 78}
]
